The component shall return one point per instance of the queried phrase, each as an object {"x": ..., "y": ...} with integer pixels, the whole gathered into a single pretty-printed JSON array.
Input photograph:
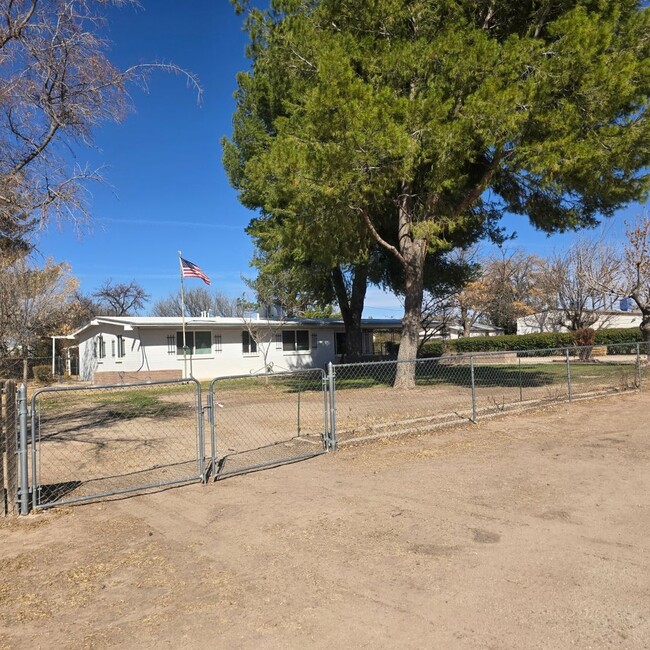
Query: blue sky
[{"x": 166, "y": 189}]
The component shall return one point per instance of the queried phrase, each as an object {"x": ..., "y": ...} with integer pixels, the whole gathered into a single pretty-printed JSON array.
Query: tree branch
[{"x": 378, "y": 238}]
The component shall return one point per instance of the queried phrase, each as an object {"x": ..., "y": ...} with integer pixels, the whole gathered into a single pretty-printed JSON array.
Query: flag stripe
[{"x": 191, "y": 270}]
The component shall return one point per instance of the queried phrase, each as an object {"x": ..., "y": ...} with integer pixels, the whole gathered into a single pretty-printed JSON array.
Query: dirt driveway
[{"x": 532, "y": 531}]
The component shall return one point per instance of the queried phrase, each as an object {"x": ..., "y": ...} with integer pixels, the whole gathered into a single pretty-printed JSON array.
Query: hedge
[{"x": 518, "y": 342}]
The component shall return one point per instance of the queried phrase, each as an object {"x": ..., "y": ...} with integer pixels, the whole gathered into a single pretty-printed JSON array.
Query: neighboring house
[
  {"x": 129, "y": 349},
  {"x": 546, "y": 322},
  {"x": 454, "y": 330}
]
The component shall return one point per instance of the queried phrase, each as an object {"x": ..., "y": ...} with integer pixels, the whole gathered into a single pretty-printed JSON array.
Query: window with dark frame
[
  {"x": 202, "y": 342},
  {"x": 171, "y": 344},
  {"x": 295, "y": 340},
  {"x": 121, "y": 347},
  {"x": 217, "y": 343},
  {"x": 248, "y": 343},
  {"x": 189, "y": 342},
  {"x": 197, "y": 343},
  {"x": 314, "y": 341},
  {"x": 101, "y": 347}
]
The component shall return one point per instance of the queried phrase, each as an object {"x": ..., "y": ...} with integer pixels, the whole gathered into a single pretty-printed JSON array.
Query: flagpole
[{"x": 180, "y": 264}]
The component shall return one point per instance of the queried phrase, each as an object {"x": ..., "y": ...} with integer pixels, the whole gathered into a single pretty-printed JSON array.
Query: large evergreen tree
[{"x": 450, "y": 112}]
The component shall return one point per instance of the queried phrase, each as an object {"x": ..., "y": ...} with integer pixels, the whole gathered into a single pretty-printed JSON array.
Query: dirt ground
[{"x": 530, "y": 531}]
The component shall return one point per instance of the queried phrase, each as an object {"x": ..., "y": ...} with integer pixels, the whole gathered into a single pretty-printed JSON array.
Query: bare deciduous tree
[
  {"x": 56, "y": 85},
  {"x": 120, "y": 299},
  {"x": 437, "y": 314},
  {"x": 572, "y": 277},
  {"x": 505, "y": 287},
  {"x": 197, "y": 301},
  {"x": 627, "y": 273}
]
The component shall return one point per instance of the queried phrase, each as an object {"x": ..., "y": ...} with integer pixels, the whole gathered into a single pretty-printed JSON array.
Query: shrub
[
  {"x": 391, "y": 348},
  {"x": 618, "y": 337},
  {"x": 432, "y": 349},
  {"x": 512, "y": 342},
  {"x": 43, "y": 374},
  {"x": 541, "y": 342}
]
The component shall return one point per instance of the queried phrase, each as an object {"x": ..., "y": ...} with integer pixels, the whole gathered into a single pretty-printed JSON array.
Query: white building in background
[
  {"x": 130, "y": 349},
  {"x": 546, "y": 321}
]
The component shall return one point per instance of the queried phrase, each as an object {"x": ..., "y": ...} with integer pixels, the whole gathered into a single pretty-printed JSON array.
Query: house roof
[
  {"x": 129, "y": 323},
  {"x": 455, "y": 325}
]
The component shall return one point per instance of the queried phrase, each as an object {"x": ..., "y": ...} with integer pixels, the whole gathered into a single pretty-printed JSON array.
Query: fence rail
[{"x": 97, "y": 441}]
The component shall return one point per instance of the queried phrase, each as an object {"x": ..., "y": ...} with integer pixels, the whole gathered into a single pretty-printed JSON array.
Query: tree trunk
[
  {"x": 411, "y": 323},
  {"x": 351, "y": 306},
  {"x": 645, "y": 330},
  {"x": 465, "y": 321},
  {"x": 413, "y": 253}
]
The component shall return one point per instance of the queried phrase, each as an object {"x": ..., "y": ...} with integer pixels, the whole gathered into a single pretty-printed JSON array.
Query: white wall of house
[
  {"x": 110, "y": 348},
  {"x": 533, "y": 324}
]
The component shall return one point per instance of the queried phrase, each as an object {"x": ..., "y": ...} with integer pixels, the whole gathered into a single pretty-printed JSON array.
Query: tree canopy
[{"x": 413, "y": 120}]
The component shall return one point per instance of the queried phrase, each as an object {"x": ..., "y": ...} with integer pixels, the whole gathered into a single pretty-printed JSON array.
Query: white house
[
  {"x": 451, "y": 329},
  {"x": 546, "y": 321},
  {"x": 129, "y": 349}
]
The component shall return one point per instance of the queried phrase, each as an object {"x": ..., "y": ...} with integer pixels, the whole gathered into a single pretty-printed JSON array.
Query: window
[
  {"x": 197, "y": 343},
  {"x": 112, "y": 348},
  {"x": 189, "y": 342},
  {"x": 278, "y": 341},
  {"x": 248, "y": 343},
  {"x": 339, "y": 343},
  {"x": 202, "y": 343},
  {"x": 121, "y": 347},
  {"x": 100, "y": 348},
  {"x": 171, "y": 345},
  {"x": 295, "y": 340},
  {"x": 217, "y": 343},
  {"x": 314, "y": 341}
]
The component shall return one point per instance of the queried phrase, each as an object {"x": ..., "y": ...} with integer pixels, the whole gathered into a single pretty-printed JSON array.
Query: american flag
[{"x": 191, "y": 270}]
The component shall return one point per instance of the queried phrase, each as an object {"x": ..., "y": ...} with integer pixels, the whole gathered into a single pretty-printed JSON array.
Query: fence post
[
  {"x": 638, "y": 366},
  {"x": 298, "y": 414},
  {"x": 11, "y": 443},
  {"x": 471, "y": 374},
  {"x": 568, "y": 373},
  {"x": 22, "y": 449},
  {"x": 332, "y": 393},
  {"x": 3, "y": 457},
  {"x": 211, "y": 416}
]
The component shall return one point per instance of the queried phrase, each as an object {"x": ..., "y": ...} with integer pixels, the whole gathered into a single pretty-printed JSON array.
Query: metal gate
[
  {"x": 99, "y": 441},
  {"x": 269, "y": 419}
]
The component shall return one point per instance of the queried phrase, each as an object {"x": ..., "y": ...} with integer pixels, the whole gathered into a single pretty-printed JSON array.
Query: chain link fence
[
  {"x": 19, "y": 369},
  {"x": 264, "y": 420},
  {"x": 368, "y": 406},
  {"x": 89, "y": 442},
  {"x": 96, "y": 441},
  {"x": 454, "y": 389}
]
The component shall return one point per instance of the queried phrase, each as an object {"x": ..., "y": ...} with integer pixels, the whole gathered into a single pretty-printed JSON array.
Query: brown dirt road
[{"x": 532, "y": 531}]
